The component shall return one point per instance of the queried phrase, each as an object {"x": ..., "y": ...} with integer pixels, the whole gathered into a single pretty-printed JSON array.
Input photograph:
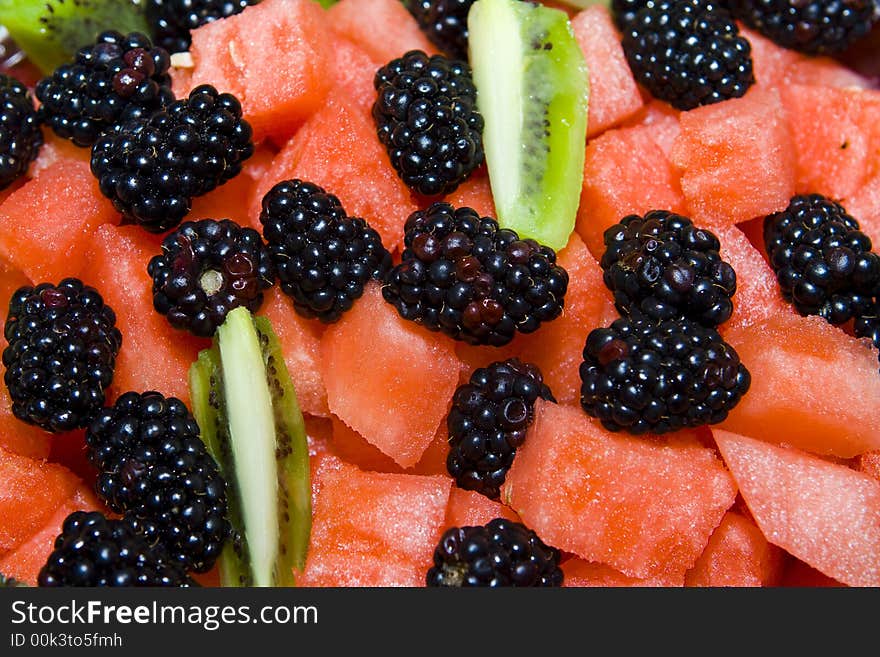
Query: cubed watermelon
[{"x": 823, "y": 513}]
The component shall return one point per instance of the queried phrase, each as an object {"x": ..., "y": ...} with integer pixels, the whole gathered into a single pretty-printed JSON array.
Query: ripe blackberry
[
  {"x": 663, "y": 266},
  {"x": 488, "y": 421},
  {"x": 623, "y": 12},
  {"x": 499, "y": 553},
  {"x": 823, "y": 262},
  {"x": 173, "y": 20},
  {"x": 688, "y": 52},
  {"x": 206, "y": 269},
  {"x": 20, "y": 134},
  {"x": 154, "y": 468},
  {"x": 427, "y": 118},
  {"x": 96, "y": 551},
  {"x": 324, "y": 257},
  {"x": 63, "y": 343},
  {"x": 116, "y": 79},
  {"x": 463, "y": 275},
  {"x": 152, "y": 168},
  {"x": 810, "y": 26},
  {"x": 642, "y": 376},
  {"x": 444, "y": 22}
]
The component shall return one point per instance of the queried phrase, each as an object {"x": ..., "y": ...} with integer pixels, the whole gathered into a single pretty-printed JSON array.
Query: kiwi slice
[
  {"x": 250, "y": 421},
  {"x": 51, "y": 31},
  {"x": 533, "y": 92}
]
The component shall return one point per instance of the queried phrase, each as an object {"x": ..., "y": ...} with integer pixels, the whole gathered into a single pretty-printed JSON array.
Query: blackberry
[
  {"x": 623, "y": 12},
  {"x": 810, "y": 26},
  {"x": 663, "y": 266},
  {"x": 463, "y": 275},
  {"x": 152, "y": 168},
  {"x": 499, "y": 553},
  {"x": 173, "y": 20},
  {"x": 444, "y": 22},
  {"x": 20, "y": 134},
  {"x": 96, "y": 551},
  {"x": 62, "y": 350},
  {"x": 154, "y": 468},
  {"x": 118, "y": 78},
  {"x": 324, "y": 257},
  {"x": 823, "y": 262},
  {"x": 206, "y": 269},
  {"x": 427, "y": 118},
  {"x": 488, "y": 421},
  {"x": 642, "y": 376},
  {"x": 688, "y": 52}
]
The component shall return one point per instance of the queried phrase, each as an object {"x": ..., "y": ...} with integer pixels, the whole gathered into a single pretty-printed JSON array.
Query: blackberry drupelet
[
  {"x": 810, "y": 26},
  {"x": 206, "y": 269},
  {"x": 640, "y": 375},
  {"x": 324, "y": 257},
  {"x": 173, "y": 20},
  {"x": 823, "y": 262},
  {"x": 688, "y": 52},
  {"x": 153, "y": 167},
  {"x": 444, "y": 22},
  {"x": 154, "y": 468},
  {"x": 499, "y": 553},
  {"x": 662, "y": 265},
  {"x": 96, "y": 551},
  {"x": 427, "y": 118},
  {"x": 20, "y": 134},
  {"x": 623, "y": 12},
  {"x": 463, "y": 275},
  {"x": 62, "y": 350},
  {"x": 117, "y": 79},
  {"x": 488, "y": 421}
]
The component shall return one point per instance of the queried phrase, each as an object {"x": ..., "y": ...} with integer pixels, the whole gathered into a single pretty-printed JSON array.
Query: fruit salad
[{"x": 369, "y": 293}]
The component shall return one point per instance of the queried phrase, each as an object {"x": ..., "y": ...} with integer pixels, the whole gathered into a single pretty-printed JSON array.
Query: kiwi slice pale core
[{"x": 533, "y": 92}]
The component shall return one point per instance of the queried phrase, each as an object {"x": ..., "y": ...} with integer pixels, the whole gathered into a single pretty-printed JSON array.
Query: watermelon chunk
[
  {"x": 614, "y": 94},
  {"x": 580, "y": 573},
  {"x": 823, "y": 513},
  {"x": 372, "y": 528},
  {"x": 46, "y": 225},
  {"x": 274, "y": 56},
  {"x": 813, "y": 386},
  {"x": 644, "y": 507},
  {"x": 737, "y": 555},
  {"x": 30, "y": 492},
  {"x": 154, "y": 356},
  {"x": 24, "y": 563},
  {"x": 469, "y": 509},
  {"x": 383, "y": 28},
  {"x": 301, "y": 338},
  {"x": 354, "y": 69},
  {"x": 625, "y": 172},
  {"x": 338, "y": 149},
  {"x": 737, "y": 158},
  {"x": 831, "y": 133},
  {"x": 387, "y": 378}
]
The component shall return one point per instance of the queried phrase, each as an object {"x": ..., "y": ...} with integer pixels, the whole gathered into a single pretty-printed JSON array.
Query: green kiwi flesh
[
  {"x": 51, "y": 31},
  {"x": 533, "y": 92},
  {"x": 250, "y": 421}
]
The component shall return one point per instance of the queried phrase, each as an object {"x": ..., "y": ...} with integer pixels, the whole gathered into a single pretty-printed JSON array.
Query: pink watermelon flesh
[
  {"x": 468, "y": 509},
  {"x": 383, "y": 28},
  {"x": 372, "y": 529},
  {"x": 387, "y": 378},
  {"x": 580, "y": 573},
  {"x": 812, "y": 386},
  {"x": 614, "y": 94},
  {"x": 823, "y": 513},
  {"x": 625, "y": 172},
  {"x": 644, "y": 507},
  {"x": 274, "y": 56},
  {"x": 737, "y": 158},
  {"x": 737, "y": 555}
]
